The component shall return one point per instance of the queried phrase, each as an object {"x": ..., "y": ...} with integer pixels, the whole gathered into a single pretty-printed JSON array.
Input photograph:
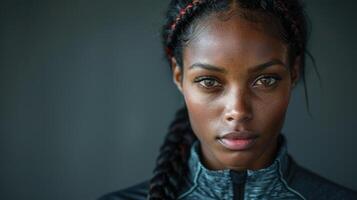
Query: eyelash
[{"x": 200, "y": 81}]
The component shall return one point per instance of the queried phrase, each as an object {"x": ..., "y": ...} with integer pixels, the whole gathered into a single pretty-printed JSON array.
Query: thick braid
[{"x": 171, "y": 164}]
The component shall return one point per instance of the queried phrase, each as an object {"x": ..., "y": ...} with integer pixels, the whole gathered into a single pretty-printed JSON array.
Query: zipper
[{"x": 238, "y": 180}]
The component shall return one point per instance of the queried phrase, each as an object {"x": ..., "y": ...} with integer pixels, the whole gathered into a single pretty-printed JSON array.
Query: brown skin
[{"x": 236, "y": 93}]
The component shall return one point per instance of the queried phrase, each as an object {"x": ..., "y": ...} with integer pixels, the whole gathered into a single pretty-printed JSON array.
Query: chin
[{"x": 237, "y": 160}]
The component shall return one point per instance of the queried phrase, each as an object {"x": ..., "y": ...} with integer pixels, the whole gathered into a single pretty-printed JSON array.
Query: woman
[{"x": 236, "y": 63}]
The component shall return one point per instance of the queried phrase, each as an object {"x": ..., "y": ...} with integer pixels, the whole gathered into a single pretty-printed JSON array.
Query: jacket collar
[{"x": 203, "y": 179}]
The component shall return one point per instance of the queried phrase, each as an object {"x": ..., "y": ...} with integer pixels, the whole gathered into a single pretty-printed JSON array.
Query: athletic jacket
[{"x": 284, "y": 179}]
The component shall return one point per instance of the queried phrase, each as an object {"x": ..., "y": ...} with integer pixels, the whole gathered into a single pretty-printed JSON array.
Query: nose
[{"x": 238, "y": 107}]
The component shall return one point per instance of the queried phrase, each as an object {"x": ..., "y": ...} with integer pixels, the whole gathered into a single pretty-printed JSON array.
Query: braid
[
  {"x": 171, "y": 164},
  {"x": 176, "y": 23},
  {"x": 291, "y": 13},
  {"x": 184, "y": 12}
]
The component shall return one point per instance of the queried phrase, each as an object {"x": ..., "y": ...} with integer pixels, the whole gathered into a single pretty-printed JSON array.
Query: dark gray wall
[{"x": 85, "y": 96}]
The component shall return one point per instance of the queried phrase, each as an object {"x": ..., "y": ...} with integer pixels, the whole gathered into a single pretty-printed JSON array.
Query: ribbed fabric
[{"x": 267, "y": 183}]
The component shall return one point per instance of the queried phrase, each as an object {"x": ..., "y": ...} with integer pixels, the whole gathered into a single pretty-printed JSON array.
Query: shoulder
[
  {"x": 314, "y": 186},
  {"x": 135, "y": 192}
]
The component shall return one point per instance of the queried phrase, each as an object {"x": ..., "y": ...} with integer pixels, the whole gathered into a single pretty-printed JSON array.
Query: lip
[{"x": 238, "y": 141}]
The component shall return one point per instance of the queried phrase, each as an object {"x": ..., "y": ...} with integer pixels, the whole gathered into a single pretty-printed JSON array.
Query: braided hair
[{"x": 181, "y": 19}]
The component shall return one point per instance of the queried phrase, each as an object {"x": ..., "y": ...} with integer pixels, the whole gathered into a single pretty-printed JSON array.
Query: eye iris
[
  {"x": 208, "y": 83},
  {"x": 268, "y": 81}
]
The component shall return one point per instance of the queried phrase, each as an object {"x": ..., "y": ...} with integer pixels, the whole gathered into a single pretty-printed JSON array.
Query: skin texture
[{"x": 245, "y": 85}]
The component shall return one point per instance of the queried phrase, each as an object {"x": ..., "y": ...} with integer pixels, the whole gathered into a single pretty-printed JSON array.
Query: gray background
[{"x": 86, "y": 97}]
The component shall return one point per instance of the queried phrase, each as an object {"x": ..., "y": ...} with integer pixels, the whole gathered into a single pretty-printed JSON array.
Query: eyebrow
[
  {"x": 208, "y": 67},
  {"x": 259, "y": 67},
  {"x": 273, "y": 62}
]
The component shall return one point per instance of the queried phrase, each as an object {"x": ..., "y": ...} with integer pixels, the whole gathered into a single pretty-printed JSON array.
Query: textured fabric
[{"x": 267, "y": 183}]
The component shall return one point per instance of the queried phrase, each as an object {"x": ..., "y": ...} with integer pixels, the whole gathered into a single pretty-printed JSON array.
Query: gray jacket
[{"x": 283, "y": 179}]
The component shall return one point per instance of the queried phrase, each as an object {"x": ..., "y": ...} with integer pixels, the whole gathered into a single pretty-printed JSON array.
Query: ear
[
  {"x": 177, "y": 73},
  {"x": 295, "y": 71}
]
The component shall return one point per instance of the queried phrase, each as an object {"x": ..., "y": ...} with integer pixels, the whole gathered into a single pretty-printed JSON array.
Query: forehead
[{"x": 233, "y": 39}]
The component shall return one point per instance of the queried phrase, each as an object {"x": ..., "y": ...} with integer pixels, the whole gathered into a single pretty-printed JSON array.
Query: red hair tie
[{"x": 182, "y": 12}]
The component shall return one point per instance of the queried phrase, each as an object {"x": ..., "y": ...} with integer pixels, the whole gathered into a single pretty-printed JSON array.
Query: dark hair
[{"x": 182, "y": 17}]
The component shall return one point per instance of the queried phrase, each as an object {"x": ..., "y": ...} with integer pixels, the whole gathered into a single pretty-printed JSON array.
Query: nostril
[
  {"x": 238, "y": 116},
  {"x": 230, "y": 118}
]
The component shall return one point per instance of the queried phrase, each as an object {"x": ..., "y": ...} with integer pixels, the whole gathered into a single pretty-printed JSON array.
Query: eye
[
  {"x": 266, "y": 81},
  {"x": 207, "y": 82}
]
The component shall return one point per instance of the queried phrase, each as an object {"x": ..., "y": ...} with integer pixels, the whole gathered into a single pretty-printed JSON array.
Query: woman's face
[{"x": 236, "y": 85}]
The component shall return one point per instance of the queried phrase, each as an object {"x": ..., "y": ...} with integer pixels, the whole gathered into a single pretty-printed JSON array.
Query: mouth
[{"x": 238, "y": 141}]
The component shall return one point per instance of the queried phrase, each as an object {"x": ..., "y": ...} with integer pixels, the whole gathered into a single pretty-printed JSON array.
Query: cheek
[
  {"x": 201, "y": 112},
  {"x": 271, "y": 113}
]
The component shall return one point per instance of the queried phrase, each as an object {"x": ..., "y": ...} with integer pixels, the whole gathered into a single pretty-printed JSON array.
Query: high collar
[{"x": 218, "y": 184}]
